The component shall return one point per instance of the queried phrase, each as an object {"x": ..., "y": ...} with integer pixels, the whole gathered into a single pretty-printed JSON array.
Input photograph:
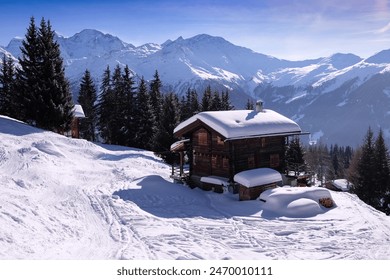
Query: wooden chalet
[{"x": 217, "y": 145}]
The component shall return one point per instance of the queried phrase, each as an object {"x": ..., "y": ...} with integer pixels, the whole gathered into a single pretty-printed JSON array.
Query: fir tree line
[
  {"x": 328, "y": 163},
  {"x": 325, "y": 163},
  {"x": 131, "y": 111}
]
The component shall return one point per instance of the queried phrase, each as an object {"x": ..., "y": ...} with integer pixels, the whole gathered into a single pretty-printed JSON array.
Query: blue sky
[{"x": 291, "y": 29}]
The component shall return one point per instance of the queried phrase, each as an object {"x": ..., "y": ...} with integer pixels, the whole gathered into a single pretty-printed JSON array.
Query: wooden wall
[
  {"x": 259, "y": 152},
  {"x": 210, "y": 154},
  {"x": 213, "y": 156}
]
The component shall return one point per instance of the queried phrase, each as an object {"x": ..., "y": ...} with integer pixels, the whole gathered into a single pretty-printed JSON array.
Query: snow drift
[{"x": 63, "y": 198}]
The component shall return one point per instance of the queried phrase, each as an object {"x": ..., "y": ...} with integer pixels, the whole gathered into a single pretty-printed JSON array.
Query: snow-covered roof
[
  {"x": 215, "y": 180},
  {"x": 257, "y": 177},
  {"x": 78, "y": 111},
  {"x": 342, "y": 184},
  {"x": 244, "y": 123},
  {"x": 178, "y": 144}
]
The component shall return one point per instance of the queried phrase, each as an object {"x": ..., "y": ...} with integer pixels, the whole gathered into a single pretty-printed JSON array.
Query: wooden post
[
  {"x": 181, "y": 154},
  {"x": 231, "y": 161}
]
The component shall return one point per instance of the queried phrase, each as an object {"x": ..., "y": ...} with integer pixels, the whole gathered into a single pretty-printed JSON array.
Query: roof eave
[{"x": 293, "y": 133}]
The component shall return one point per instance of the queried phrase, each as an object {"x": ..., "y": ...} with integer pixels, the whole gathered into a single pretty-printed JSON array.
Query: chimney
[{"x": 259, "y": 106}]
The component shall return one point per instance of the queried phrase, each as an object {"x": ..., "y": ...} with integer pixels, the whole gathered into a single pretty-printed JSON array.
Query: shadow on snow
[{"x": 165, "y": 199}]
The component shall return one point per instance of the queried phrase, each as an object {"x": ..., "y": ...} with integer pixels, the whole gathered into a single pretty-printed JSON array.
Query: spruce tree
[
  {"x": 382, "y": 170},
  {"x": 168, "y": 121},
  {"x": 206, "y": 100},
  {"x": 364, "y": 186},
  {"x": 42, "y": 86},
  {"x": 225, "y": 101},
  {"x": 185, "y": 106},
  {"x": 295, "y": 157},
  {"x": 189, "y": 104},
  {"x": 27, "y": 78},
  {"x": 128, "y": 102},
  {"x": 104, "y": 107},
  {"x": 144, "y": 118},
  {"x": 156, "y": 96},
  {"x": 156, "y": 101},
  {"x": 117, "y": 104},
  {"x": 215, "y": 104},
  {"x": 249, "y": 105},
  {"x": 87, "y": 99},
  {"x": 194, "y": 106},
  {"x": 7, "y": 87},
  {"x": 56, "y": 90}
]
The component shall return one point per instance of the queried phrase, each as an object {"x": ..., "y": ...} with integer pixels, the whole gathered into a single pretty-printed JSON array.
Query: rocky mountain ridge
[{"x": 335, "y": 98}]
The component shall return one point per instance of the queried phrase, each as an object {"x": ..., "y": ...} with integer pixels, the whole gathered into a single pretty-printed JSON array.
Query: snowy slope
[{"x": 64, "y": 198}]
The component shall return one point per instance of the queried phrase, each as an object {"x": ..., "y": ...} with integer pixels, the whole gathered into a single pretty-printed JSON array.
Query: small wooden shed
[{"x": 253, "y": 182}]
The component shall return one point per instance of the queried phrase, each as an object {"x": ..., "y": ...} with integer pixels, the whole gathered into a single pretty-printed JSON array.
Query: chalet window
[
  {"x": 251, "y": 161},
  {"x": 263, "y": 142},
  {"x": 225, "y": 163},
  {"x": 274, "y": 160},
  {"x": 214, "y": 161},
  {"x": 202, "y": 138},
  {"x": 220, "y": 141}
]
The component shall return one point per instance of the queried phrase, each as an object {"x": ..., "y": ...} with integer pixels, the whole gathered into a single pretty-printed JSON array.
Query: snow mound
[{"x": 294, "y": 202}]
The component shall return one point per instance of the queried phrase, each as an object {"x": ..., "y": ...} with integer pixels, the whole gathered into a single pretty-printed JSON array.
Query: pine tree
[
  {"x": 216, "y": 104},
  {"x": 168, "y": 121},
  {"x": 128, "y": 102},
  {"x": 156, "y": 101},
  {"x": 7, "y": 88},
  {"x": 185, "y": 106},
  {"x": 56, "y": 86},
  {"x": 382, "y": 170},
  {"x": 226, "y": 105},
  {"x": 295, "y": 157},
  {"x": 156, "y": 96},
  {"x": 87, "y": 99},
  {"x": 42, "y": 86},
  {"x": 194, "y": 106},
  {"x": 249, "y": 105},
  {"x": 118, "y": 123},
  {"x": 206, "y": 100},
  {"x": 105, "y": 102},
  {"x": 144, "y": 118},
  {"x": 27, "y": 78},
  {"x": 364, "y": 184}
]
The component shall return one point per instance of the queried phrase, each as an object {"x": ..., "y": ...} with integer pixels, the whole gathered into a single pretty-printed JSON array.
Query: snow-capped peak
[
  {"x": 203, "y": 60},
  {"x": 380, "y": 57}
]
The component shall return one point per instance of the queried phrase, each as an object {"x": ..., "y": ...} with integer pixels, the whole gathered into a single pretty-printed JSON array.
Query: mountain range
[{"x": 335, "y": 98}]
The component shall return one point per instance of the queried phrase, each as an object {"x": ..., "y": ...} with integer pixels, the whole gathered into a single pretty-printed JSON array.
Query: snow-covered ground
[{"x": 63, "y": 198}]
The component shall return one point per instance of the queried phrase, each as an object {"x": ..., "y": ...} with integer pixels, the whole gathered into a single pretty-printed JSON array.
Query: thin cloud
[{"x": 384, "y": 29}]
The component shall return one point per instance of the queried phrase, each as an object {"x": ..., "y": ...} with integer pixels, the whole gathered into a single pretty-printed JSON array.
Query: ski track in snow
[{"x": 62, "y": 198}]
